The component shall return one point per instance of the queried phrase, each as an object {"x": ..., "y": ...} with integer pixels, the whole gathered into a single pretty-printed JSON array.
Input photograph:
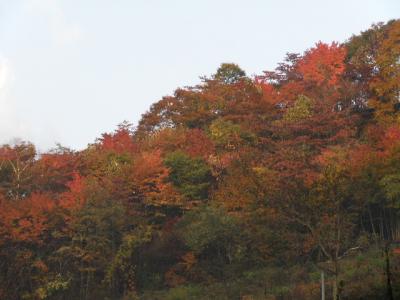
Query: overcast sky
[{"x": 73, "y": 69}]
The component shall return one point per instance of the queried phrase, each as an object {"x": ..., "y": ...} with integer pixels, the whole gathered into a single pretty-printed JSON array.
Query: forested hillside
[{"x": 237, "y": 188}]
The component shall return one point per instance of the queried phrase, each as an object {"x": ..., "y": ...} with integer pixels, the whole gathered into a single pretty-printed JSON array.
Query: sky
[{"x": 71, "y": 70}]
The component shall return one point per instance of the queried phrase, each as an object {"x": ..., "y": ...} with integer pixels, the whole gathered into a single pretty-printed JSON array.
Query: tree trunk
[
  {"x": 335, "y": 295},
  {"x": 372, "y": 226},
  {"x": 389, "y": 290},
  {"x": 335, "y": 285},
  {"x": 322, "y": 286}
]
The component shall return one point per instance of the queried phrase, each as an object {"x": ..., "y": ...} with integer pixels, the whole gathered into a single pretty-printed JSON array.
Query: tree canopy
[{"x": 238, "y": 187}]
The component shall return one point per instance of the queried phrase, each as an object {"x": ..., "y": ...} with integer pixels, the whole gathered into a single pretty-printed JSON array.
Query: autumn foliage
[{"x": 236, "y": 187}]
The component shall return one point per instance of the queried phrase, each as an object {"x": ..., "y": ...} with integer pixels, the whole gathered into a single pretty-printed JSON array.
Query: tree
[
  {"x": 302, "y": 109},
  {"x": 191, "y": 176},
  {"x": 119, "y": 141},
  {"x": 327, "y": 212},
  {"x": 235, "y": 187},
  {"x": 15, "y": 167},
  {"x": 214, "y": 238},
  {"x": 229, "y": 73},
  {"x": 372, "y": 67},
  {"x": 54, "y": 169},
  {"x": 323, "y": 64}
]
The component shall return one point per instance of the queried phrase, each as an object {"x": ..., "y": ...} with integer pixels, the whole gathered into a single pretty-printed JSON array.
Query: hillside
[{"x": 237, "y": 188}]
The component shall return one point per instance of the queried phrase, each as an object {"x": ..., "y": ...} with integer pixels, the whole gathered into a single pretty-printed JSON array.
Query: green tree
[
  {"x": 229, "y": 73},
  {"x": 191, "y": 176},
  {"x": 214, "y": 237},
  {"x": 302, "y": 109}
]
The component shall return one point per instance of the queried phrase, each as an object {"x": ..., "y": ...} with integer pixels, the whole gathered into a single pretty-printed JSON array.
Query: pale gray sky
[{"x": 72, "y": 69}]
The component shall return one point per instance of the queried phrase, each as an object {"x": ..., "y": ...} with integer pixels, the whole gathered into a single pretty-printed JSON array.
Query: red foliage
[
  {"x": 150, "y": 176},
  {"x": 74, "y": 197},
  {"x": 26, "y": 220},
  {"x": 361, "y": 156},
  {"x": 323, "y": 64},
  {"x": 119, "y": 141},
  {"x": 391, "y": 138},
  {"x": 194, "y": 142},
  {"x": 267, "y": 89},
  {"x": 54, "y": 170},
  {"x": 198, "y": 144}
]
